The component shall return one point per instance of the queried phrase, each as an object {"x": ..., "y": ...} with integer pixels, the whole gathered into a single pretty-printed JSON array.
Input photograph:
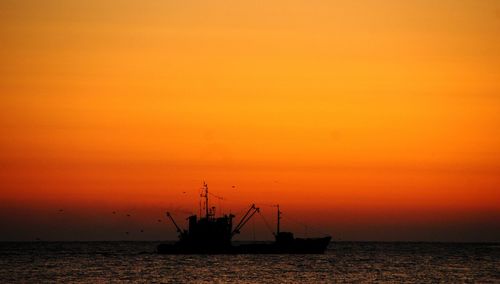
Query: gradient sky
[{"x": 368, "y": 120}]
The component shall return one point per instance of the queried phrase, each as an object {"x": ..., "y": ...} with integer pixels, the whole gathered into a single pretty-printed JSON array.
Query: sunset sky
[{"x": 367, "y": 120}]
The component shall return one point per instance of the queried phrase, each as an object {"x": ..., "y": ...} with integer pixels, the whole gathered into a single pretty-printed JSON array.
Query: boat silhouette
[{"x": 213, "y": 235}]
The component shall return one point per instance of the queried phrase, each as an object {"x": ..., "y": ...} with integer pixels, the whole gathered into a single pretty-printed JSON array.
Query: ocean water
[{"x": 104, "y": 262}]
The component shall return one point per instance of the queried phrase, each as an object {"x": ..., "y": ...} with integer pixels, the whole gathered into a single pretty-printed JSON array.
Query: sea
[{"x": 343, "y": 262}]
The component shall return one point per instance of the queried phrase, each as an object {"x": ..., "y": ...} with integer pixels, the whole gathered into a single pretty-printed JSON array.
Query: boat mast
[
  {"x": 278, "y": 223},
  {"x": 205, "y": 186}
]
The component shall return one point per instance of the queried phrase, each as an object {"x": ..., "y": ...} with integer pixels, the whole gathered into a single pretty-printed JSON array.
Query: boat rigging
[{"x": 213, "y": 235}]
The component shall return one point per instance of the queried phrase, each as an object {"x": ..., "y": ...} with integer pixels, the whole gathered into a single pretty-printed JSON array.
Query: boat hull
[{"x": 297, "y": 246}]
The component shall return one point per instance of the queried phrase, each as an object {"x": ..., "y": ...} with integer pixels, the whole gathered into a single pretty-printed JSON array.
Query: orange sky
[{"x": 371, "y": 120}]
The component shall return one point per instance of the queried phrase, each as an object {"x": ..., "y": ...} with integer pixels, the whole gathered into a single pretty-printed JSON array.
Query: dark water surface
[{"x": 97, "y": 262}]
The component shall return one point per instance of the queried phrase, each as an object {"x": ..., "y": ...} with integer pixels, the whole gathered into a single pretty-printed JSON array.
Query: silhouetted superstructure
[{"x": 213, "y": 235}]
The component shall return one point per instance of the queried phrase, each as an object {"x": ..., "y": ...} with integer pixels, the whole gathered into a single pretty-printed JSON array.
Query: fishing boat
[{"x": 213, "y": 235}]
